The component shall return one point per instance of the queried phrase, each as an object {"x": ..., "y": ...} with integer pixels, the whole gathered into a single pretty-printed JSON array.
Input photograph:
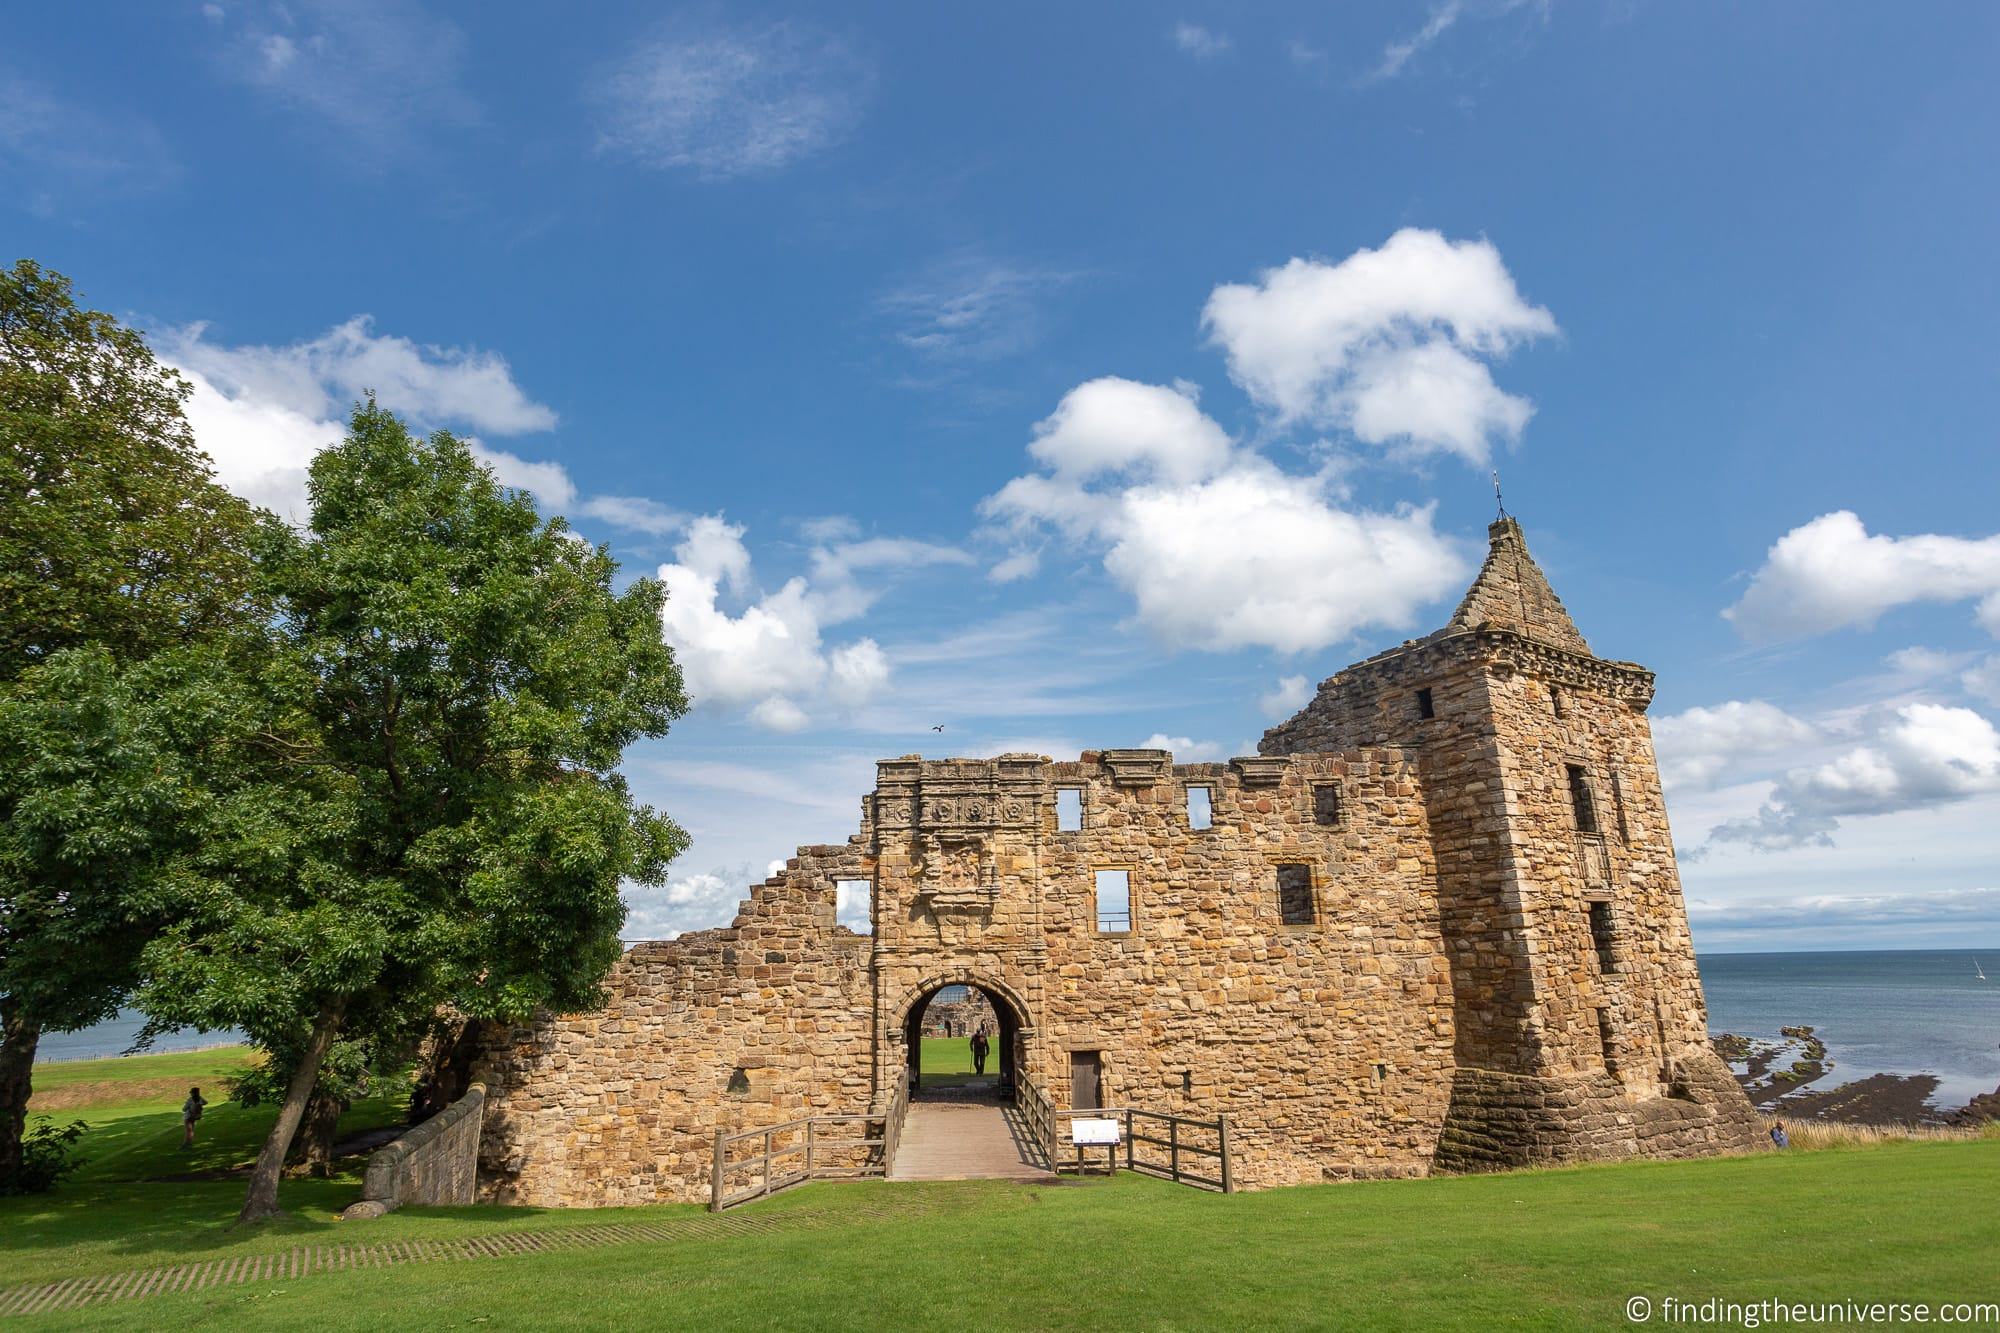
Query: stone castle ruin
[{"x": 1435, "y": 924}]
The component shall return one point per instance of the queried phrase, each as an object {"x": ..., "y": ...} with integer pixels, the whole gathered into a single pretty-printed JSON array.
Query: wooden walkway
[
  {"x": 962, "y": 1140},
  {"x": 302, "y": 1260}
]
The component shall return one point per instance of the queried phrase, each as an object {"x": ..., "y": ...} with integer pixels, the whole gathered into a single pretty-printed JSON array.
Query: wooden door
[{"x": 1086, "y": 1069}]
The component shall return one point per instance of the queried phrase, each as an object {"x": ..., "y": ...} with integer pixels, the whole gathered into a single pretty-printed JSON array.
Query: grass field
[
  {"x": 948, "y": 1060},
  {"x": 1547, "y": 1249}
]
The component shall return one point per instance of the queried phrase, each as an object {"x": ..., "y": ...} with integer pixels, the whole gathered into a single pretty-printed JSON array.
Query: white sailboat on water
[{"x": 1977, "y": 970}]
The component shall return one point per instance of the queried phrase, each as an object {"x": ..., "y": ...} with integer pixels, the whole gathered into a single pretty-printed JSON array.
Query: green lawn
[
  {"x": 948, "y": 1060},
  {"x": 1550, "y": 1249},
  {"x": 1544, "y": 1249},
  {"x": 132, "y": 1104}
]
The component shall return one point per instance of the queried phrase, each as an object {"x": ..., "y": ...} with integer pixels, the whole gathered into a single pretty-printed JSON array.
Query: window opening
[
  {"x": 1426, "y": 706},
  {"x": 1579, "y": 799},
  {"x": 1326, "y": 802},
  {"x": 1295, "y": 895},
  {"x": 1069, "y": 809},
  {"x": 1200, "y": 807},
  {"x": 1600, "y": 936},
  {"x": 1114, "y": 902}
]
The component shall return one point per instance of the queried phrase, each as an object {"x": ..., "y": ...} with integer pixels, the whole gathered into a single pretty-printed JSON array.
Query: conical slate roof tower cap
[{"x": 1512, "y": 593}]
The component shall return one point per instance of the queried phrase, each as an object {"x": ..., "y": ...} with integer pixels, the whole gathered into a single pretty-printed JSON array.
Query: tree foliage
[
  {"x": 453, "y": 685},
  {"x": 115, "y": 541}
]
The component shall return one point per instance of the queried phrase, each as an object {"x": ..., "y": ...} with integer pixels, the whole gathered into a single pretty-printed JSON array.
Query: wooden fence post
[
  {"x": 809, "y": 1147},
  {"x": 715, "y": 1181},
  {"x": 1128, "y": 1138},
  {"x": 1174, "y": 1149},
  {"x": 767, "y": 1162},
  {"x": 1222, "y": 1140}
]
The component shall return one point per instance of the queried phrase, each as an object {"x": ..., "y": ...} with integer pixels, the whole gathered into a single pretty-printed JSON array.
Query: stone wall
[
  {"x": 765, "y": 1021},
  {"x": 436, "y": 1162},
  {"x": 961, "y": 1017},
  {"x": 1477, "y": 975}
]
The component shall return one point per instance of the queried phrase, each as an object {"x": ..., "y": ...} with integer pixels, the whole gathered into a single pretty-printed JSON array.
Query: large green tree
[
  {"x": 458, "y": 681},
  {"x": 113, "y": 535}
]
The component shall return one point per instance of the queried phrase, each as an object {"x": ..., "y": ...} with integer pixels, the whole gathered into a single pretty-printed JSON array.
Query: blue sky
[{"x": 1075, "y": 379}]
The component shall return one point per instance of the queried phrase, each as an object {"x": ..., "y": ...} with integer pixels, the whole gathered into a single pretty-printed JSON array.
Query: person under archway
[{"x": 980, "y": 1046}]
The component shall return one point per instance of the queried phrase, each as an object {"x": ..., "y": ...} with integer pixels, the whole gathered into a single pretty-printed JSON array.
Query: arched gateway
[
  {"x": 1435, "y": 923},
  {"x": 907, "y": 1019}
]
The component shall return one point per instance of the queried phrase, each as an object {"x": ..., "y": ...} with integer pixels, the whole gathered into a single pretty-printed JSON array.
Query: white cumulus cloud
[
  {"x": 1218, "y": 547},
  {"x": 1913, "y": 756},
  {"x": 1287, "y": 698},
  {"x": 1391, "y": 344},
  {"x": 1832, "y": 573},
  {"x": 769, "y": 658},
  {"x": 1701, "y": 745},
  {"x": 1185, "y": 749}
]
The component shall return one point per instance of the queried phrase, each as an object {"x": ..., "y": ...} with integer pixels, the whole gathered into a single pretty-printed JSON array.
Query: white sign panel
[{"x": 1093, "y": 1133}]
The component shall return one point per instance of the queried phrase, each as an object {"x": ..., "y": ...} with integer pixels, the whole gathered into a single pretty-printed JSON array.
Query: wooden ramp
[{"x": 952, "y": 1140}]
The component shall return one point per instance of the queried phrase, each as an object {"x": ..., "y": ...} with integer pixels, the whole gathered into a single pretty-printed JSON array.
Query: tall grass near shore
[{"x": 1810, "y": 1134}]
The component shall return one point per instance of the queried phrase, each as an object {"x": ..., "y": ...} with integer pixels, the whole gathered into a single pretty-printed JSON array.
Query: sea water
[
  {"x": 1905, "y": 1011},
  {"x": 114, "y": 1036}
]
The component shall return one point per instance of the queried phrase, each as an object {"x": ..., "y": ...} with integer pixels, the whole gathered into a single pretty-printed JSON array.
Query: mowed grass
[
  {"x": 138, "y": 1191},
  {"x": 1894, "y": 1221},
  {"x": 948, "y": 1060},
  {"x": 1547, "y": 1249}
]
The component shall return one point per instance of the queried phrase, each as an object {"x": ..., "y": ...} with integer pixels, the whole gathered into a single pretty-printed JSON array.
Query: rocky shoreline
[{"x": 1779, "y": 1078}]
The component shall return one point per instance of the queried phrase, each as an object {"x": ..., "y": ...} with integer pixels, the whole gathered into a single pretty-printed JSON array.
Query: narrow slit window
[
  {"x": 1114, "y": 902},
  {"x": 1618, "y": 808},
  {"x": 1580, "y": 801},
  {"x": 1295, "y": 895},
  {"x": 1607, "y": 1040},
  {"x": 1069, "y": 809},
  {"x": 1426, "y": 706},
  {"x": 1326, "y": 802},
  {"x": 1600, "y": 936},
  {"x": 1200, "y": 807}
]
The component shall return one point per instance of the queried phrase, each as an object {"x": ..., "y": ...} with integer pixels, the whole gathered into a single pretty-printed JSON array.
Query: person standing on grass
[
  {"x": 1778, "y": 1135},
  {"x": 979, "y": 1050},
  {"x": 190, "y": 1112}
]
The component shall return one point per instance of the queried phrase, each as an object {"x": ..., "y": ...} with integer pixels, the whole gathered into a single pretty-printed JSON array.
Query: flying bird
[{"x": 939, "y": 727}]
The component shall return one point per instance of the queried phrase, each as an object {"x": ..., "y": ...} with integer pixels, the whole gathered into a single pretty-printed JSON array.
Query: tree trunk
[
  {"x": 315, "y": 1141},
  {"x": 19, "y": 1035},
  {"x": 263, "y": 1198}
]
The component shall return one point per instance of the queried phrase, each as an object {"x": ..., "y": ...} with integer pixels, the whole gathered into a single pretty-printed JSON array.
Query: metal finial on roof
[{"x": 1498, "y": 503}]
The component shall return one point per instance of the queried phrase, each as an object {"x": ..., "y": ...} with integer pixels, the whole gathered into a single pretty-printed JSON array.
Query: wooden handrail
[
  {"x": 809, "y": 1142},
  {"x": 1176, "y": 1143}
]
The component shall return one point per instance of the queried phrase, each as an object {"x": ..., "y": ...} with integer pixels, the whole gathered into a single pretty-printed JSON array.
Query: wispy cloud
[
  {"x": 54, "y": 152},
  {"x": 729, "y": 101},
  {"x": 1199, "y": 42},
  {"x": 374, "y": 76},
  {"x": 1399, "y": 53},
  {"x": 970, "y": 306}
]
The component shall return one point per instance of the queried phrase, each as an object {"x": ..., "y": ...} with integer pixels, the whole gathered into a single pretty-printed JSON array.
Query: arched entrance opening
[{"x": 939, "y": 1029}]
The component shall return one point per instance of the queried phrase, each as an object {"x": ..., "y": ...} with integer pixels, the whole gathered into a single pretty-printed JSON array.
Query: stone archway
[{"x": 1009, "y": 1045}]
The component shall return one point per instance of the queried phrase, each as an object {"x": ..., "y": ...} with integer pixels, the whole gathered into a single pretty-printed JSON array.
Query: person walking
[
  {"x": 979, "y": 1046},
  {"x": 191, "y": 1112}
]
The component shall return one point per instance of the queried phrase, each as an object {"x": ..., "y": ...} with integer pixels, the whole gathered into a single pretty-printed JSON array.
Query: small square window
[
  {"x": 1069, "y": 809},
  {"x": 1114, "y": 902},
  {"x": 1295, "y": 895},
  {"x": 1326, "y": 803},
  {"x": 1200, "y": 807},
  {"x": 1426, "y": 706}
]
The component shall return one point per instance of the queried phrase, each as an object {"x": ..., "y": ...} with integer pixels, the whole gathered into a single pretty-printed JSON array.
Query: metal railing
[
  {"x": 1173, "y": 1145},
  {"x": 818, "y": 1147}
]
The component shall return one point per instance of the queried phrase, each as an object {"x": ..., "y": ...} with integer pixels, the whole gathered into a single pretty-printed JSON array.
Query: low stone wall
[{"x": 436, "y": 1162}]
